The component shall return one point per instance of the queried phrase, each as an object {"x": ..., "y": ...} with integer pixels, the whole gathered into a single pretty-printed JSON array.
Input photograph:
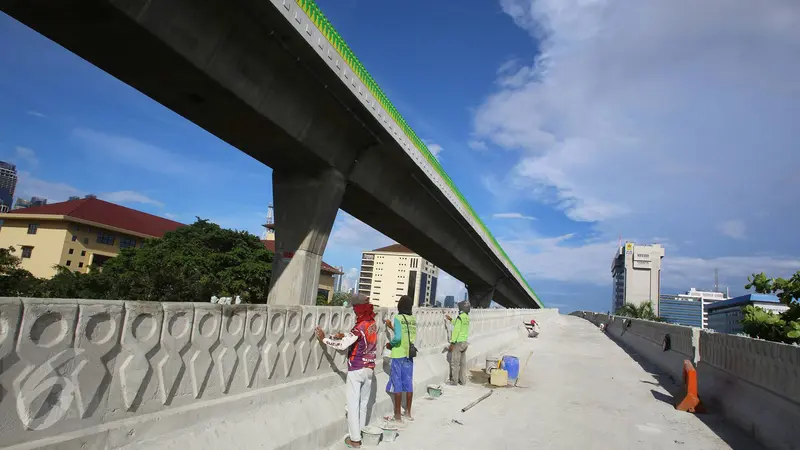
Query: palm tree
[{"x": 642, "y": 311}]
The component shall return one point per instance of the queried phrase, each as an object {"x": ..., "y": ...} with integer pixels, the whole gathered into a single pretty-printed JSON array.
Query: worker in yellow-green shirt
[{"x": 458, "y": 345}]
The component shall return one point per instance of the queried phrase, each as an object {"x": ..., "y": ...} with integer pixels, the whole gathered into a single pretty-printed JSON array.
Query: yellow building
[
  {"x": 390, "y": 272},
  {"x": 76, "y": 234}
]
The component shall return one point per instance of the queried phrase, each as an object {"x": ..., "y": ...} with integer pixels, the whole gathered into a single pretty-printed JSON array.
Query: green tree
[
  {"x": 190, "y": 264},
  {"x": 14, "y": 280},
  {"x": 339, "y": 299},
  {"x": 643, "y": 311},
  {"x": 784, "y": 327}
]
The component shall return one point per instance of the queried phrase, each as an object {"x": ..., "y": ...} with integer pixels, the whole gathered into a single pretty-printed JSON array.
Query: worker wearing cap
[{"x": 458, "y": 344}]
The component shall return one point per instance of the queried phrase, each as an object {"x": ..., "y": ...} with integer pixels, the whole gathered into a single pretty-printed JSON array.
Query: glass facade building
[{"x": 681, "y": 310}]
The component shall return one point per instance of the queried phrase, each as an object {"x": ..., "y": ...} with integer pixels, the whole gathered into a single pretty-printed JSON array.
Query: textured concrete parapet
[
  {"x": 105, "y": 374},
  {"x": 755, "y": 384}
]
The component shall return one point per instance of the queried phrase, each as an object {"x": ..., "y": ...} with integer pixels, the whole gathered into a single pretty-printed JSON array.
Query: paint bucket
[
  {"x": 511, "y": 365},
  {"x": 492, "y": 362},
  {"x": 389, "y": 434},
  {"x": 371, "y": 436},
  {"x": 434, "y": 390}
]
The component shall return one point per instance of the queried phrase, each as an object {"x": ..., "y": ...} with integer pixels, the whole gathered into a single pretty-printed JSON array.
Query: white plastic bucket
[
  {"x": 371, "y": 436},
  {"x": 389, "y": 434}
]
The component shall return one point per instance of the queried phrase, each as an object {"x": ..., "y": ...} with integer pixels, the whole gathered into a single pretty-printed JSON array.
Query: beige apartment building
[
  {"x": 76, "y": 234},
  {"x": 390, "y": 272},
  {"x": 636, "y": 275}
]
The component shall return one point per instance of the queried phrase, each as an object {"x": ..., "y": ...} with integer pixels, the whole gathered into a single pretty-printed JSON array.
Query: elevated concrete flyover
[{"x": 275, "y": 80}]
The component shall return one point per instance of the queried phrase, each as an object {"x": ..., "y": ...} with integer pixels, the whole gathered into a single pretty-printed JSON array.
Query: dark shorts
[{"x": 402, "y": 377}]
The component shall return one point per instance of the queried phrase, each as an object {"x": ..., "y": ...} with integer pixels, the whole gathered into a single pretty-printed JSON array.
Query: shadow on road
[{"x": 728, "y": 432}]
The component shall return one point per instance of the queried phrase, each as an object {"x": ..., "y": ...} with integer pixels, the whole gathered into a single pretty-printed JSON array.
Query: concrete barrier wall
[
  {"x": 753, "y": 383},
  {"x": 110, "y": 374}
]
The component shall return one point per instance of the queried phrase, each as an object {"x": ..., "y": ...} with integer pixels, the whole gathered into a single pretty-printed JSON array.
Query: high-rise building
[
  {"x": 450, "y": 301},
  {"x": 338, "y": 280},
  {"x": 390, "y": 272},
  {"x": 636, "y": 275},
  {"x": 8, "y": 185},
  {"x": 34, "y": 201}
]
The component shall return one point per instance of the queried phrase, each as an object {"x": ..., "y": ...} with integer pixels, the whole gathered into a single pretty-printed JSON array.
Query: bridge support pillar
[
  {"x": 480, "y": 296},
  {"x": 305, "y": 208}
]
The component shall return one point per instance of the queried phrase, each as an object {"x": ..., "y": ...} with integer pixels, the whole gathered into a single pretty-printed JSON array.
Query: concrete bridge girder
[{"x": 240, "y": 70}]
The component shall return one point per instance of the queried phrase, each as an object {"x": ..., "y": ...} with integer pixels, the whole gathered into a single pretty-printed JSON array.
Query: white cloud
[
  {"x": 27, "y": 155},
  {"x": 733, "y": 228},
  {"x": 562, "y": 259},
  {"x": 171, "y": 216},
  {"x": 142, "y": 155},
  {"x": 350, "y": 279},
  {"x": 477, "y": 145},
  {"x": 30, "y": 186},
  {"x": 36, "y": 114},
  {"x": 351, "y": 235},
  {"x": 640, "y": 114},
  {"x": 447, "y": 285},
  {"x": 130, "y": 197},
  {"x": 436, "y": 149},
  {"x": 512, "y": 215}
]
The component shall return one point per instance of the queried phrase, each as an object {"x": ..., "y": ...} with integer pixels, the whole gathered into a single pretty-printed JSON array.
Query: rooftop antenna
[
  {"x": 269, "y": 227},
  {"x": 716, "y": 280}
]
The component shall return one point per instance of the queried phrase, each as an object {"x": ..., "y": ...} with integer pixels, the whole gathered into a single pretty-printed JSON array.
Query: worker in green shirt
[{"x": 458, "y": 345}]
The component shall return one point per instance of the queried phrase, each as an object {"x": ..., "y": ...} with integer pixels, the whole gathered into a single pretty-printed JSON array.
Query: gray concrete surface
[
  {"x": 262, "y": 77},
  {"x": 581, "y": 390},
  {"x": 306, "y": 207}
]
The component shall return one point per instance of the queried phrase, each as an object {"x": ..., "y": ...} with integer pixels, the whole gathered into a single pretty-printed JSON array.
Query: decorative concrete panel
[
  {"x": 772, "y": 366},
  {"x": 69, "y": 365}
]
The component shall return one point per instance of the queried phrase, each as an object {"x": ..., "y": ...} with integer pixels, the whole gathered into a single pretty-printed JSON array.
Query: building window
[
  {"x": 85, "y": 241},
  {"x": 83, "y": 252},
  {"x": 69, "y": 263},
  {"x": 74, "y": 238},
  {"x": 27, "y": 251},
  {"x": 71, "y": 251},
  {"x": 127, "y": 242},
  {"x": 80, "y": 264},
  {"x": 104, "y": 237},
  {"x": 32, "y": 228}
]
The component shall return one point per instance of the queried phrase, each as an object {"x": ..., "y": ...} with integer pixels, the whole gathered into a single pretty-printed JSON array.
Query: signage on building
[
  {"x": 628, "y": 248},
  {"x": 640, "y": 264},
  {"x": 641, "y": 256}
]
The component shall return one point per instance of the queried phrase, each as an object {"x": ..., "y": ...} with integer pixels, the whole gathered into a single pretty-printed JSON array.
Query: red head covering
[{"x": 364, "y": 311}]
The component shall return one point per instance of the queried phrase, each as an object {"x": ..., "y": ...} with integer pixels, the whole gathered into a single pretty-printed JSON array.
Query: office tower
[
  {"x": 390, "y": 272},
  {"x": 636, "y": 275}
]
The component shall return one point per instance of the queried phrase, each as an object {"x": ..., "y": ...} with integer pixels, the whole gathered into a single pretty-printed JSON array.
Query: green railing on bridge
[{"x": 313, "y": 11}]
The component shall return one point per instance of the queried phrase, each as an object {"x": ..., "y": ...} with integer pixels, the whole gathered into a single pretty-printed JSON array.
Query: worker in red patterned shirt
[{"x": 361, "y": 344}]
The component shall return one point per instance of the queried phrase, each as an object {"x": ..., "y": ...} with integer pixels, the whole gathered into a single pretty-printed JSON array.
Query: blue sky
[{"x": 565, "y": 123}]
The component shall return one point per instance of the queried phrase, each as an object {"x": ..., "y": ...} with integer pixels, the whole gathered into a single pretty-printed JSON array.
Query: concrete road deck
[{"x": 581, "y": 391}]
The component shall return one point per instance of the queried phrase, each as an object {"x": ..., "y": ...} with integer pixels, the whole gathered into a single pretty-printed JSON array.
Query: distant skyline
[{"x": 565, "y": 124}]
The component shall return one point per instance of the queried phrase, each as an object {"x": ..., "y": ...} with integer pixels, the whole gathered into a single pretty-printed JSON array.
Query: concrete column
[
  {"x": 480, "y": 296},
  {"x": 305, "y": 208}
]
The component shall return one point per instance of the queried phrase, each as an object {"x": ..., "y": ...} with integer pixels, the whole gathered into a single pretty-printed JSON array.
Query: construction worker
[{"x": 458, "y": 345}]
